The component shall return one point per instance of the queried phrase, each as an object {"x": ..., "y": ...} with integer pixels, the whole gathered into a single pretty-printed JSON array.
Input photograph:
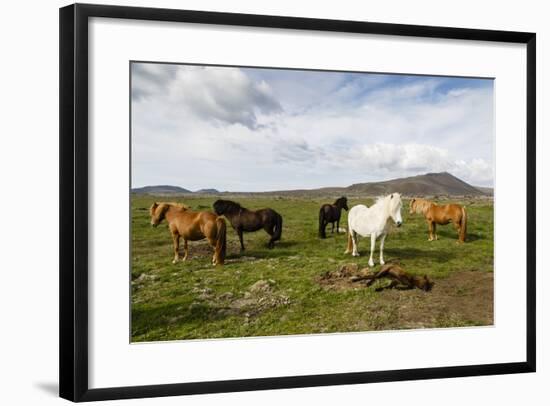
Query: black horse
[
  {"x": 330, "y": 213},
  {"x": 248, "y": 220}
]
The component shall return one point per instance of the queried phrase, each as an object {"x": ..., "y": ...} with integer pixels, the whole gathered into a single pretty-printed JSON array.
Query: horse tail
[
  {"x": 463, "y": 222},
  {"x": 322, "y": 223},
  {"x": 349, "y": 248},
  {"x": 278, "y": 229},
  {"x": 221, "y": 243}
]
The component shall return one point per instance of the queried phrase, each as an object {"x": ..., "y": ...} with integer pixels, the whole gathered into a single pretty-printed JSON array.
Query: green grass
[{"x": 193, "y": 299}]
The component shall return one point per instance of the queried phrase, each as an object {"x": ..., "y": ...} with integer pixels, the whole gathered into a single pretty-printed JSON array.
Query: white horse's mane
[
  {"x": 384, "y": 198},
  {"x": 380, "y": 199}
]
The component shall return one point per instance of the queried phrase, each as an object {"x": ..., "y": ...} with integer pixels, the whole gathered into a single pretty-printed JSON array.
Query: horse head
[
  {"x": 157, "y": 212},
  {"x": 395, "y": 205},
  {"x": 427, "y": 284},
  {"x": 342, "y": 203},
  {"x": 222, "y": 207},
  {"x": 219, "y": 207}
]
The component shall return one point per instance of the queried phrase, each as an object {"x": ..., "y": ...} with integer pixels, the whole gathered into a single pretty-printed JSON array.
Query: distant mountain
[
  {"x": 208, "y": 191},
  {"x": 430, "y": 184},
  {"x": 160, "y": 190},
  {"x": 442, "y": 183},
  {"x": 489, "y": 191}
]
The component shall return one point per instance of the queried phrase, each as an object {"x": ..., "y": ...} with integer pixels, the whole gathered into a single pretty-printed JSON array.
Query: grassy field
[{"x": 265, "y": 292}]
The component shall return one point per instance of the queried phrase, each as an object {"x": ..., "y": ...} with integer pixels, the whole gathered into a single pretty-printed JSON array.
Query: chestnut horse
[
  {"x": 243, "y": 219},
  {"x": 330, "y": 213},
  {"x": 444, "y": 214},
  {"x": 191, "y": 226}
]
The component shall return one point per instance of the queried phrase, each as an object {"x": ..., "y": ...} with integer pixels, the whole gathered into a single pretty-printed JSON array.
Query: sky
[{"x": 254, "y": 129}]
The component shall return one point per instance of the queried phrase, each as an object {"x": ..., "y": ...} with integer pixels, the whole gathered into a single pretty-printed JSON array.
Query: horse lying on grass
[
  {"x": 330, "y": 213},
  {"x": 400, "y": 279},
  {"x": 444, "y": 214},
  {"x": 191, "y": 226},
  {"x": 242, "y": 220},
  {"x": 373, "y": 221}
]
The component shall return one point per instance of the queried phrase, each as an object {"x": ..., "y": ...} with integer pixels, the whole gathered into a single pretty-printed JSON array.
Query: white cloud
[
  {"x": 407, "y": 157},
  {"x": 219, "y": 95},
  {"x": 235, "y": 129},
  {"x": 412, "y": 159}
]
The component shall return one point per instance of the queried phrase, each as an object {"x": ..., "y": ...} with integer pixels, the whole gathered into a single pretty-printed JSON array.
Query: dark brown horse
[
  {"x": 330, "y": 213},
  {"x": 244, "y": 220}
]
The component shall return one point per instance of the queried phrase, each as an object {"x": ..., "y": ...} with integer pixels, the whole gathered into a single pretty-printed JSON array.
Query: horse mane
[
  {"x": 176, "y": 205},
  {"x": 180, "y": 206},
  {"x": 381, "y": 200},
  {"x": 422, "y": 205},
  {"x": 339, "y": 200},
  {"x": 342, "y": 199},
  {"x": 227, "y": 206}
]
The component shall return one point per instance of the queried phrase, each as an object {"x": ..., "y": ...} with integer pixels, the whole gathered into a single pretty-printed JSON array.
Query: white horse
[{"x": 373, "y": 221}]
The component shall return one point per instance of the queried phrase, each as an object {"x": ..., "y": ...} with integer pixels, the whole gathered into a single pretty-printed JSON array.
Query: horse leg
[
  {"x": 332, "y": 228},
  {"x": 457, "y": 227},
  {"x": 322, "y": 226},
  {"x": 338, "y": 226},
  {"x": 212, "y": 242},
  {"x": 176, "y": 240},
  {"x": 372, "y": 244},
  {"x": 392, "y": 285},
  {"x": 431, "y": 230},
  {"x": 382, "y": 239},
  {"x": 240, "y": 232},
  {"x": 185, "y": 250}
]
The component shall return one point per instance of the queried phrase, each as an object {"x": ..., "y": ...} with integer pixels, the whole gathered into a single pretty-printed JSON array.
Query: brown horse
[
  {"x": 444, "y": 214},
  {"x": 330, "y": 213},
  {"x": 400, "y": 279},
  {"x": 191, "y": 226},
  {"x": 243, "y": 219}
]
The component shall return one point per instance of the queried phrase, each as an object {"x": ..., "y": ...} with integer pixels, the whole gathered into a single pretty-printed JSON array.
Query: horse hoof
[
  {"x": 371, "y": 263},
  {"x": 382, "y": 263}
]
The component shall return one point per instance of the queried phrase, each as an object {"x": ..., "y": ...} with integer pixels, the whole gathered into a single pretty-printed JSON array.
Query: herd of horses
[{"x": 374, "y": 221}]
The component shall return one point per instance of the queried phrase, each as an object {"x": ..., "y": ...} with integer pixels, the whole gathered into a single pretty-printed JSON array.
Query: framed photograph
[{"x": 256, "y": 202}]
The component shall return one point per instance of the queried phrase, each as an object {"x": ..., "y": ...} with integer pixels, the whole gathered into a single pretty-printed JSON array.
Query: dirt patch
[
  {"x": 464, "y": 298},
  {"x": 144, "y": 278},
  {"x": 259, "y": 297}
]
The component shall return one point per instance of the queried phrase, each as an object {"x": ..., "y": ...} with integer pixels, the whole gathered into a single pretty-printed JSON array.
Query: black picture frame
[{"x": 73, "y": 277}]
